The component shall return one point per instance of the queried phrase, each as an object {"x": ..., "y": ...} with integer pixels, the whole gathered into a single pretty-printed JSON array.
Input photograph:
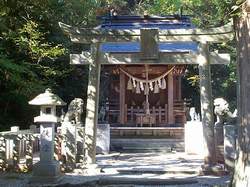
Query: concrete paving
[{"x": 131, "y": 170}]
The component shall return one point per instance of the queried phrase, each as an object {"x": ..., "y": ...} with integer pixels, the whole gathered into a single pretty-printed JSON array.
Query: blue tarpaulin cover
[
  {"x": 139, "y": 22},
  {"x": 133, "y": 47}
]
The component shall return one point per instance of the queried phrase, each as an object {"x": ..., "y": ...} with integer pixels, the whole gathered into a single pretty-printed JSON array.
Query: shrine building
[{"x": 143, "y": 59}]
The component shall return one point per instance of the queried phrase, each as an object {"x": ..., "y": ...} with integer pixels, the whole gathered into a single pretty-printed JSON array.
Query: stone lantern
[{"x": 47, "y": 168}]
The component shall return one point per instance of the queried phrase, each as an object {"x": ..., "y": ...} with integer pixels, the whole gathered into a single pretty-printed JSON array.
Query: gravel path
[{"x": 131, "y": 170}]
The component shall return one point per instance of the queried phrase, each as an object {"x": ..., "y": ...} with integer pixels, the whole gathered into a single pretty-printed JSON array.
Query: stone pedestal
[
  {"x": 219, "y": 141},
  {"x": 79, "y": 144},
  {"x": 194, "y": 141},
  {"x": 47, "y": 169},
  {"x": 230, "y": 133},
  {"x": 69, "y": 132},
  {"x": 103, "y": 139}
]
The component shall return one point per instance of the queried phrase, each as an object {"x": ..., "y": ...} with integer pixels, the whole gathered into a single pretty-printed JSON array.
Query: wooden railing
[
  {"x": 180, "y": 110},
  {"x": 160, "y": 113}
]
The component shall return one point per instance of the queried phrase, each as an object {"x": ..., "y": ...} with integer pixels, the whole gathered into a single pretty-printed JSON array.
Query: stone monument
[
  {"x": 225, "y": 132},
  {"x": 72, "y": 127},
  {"x": 194, "y": 144},
  {"x": 47, "y": 169}
]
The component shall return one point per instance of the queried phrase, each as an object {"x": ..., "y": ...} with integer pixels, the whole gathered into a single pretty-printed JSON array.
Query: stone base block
[
  {"x": 217, "y": 170},
  {"x": 194, "y": 141},
  {"x": 46, "y": 172},
  {"x": 88, "y": 169},
  {"x": 103, "y": 139}
]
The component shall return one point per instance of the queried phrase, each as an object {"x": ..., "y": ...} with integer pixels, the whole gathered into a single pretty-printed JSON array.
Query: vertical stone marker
[{"x": 47, "y": 169}]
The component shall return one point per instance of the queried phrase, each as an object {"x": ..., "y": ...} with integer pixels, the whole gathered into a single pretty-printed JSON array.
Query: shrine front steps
[
  {"x": 128, "y": 145},
  {"x": 147, "y": 132}
]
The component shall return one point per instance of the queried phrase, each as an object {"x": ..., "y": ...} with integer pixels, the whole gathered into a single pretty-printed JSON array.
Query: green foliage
[
  {"x": 30, "y": 41},
  {"x": 34, "y": 53},
  {"x": 204, "y": 14}
]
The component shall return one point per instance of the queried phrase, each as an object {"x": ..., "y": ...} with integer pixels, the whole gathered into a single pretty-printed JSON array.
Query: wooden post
[
  {"x": 170, "y": 99},
  {"x": 159, "y": 114},
  {"x": 179, "y": 88},
  {"x": 166, "y": 113},
  {"x": 122, "y": 97},
  {"x": 206, "y": 104},
  {"x": 132, "y": 113},
  {"x": 92, "y": 107},
  {"x": 125, "y": 113}
]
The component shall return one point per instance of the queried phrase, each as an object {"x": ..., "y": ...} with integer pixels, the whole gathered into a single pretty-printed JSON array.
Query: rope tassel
[
  {"x": 138, "y": 90},
  {"x": 159, "y": 83},
  {"x": 156, "y": 88},
  {"x": 129, "y": 86},
  {"x": 151, "y": 87},
  {"x": 141, "y": 86},
  {"x": 163, "y": 84}
]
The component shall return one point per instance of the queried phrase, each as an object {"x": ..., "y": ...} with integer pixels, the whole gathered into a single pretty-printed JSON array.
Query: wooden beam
[
  {"x": 134, "y": 58},
  {"x": 88, "y": 35}
]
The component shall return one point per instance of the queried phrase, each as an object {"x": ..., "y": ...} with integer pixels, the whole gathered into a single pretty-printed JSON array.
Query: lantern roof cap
[{"x": 47, "y": 98}]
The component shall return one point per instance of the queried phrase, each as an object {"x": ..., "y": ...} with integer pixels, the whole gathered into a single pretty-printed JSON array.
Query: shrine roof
[
  {"x": 140, "y": 22},
  {"x": 133, "y": 47}
]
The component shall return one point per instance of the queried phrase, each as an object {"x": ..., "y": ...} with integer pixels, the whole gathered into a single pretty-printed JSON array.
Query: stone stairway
[{"x": 136, "y": 145}]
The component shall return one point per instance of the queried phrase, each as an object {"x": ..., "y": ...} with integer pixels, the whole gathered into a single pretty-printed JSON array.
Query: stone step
[
  {"x": 134, "y": 181},
  {"x": 147, "y": 145}
]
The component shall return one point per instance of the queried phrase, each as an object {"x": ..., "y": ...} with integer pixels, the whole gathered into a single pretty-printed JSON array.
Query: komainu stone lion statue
[
  {"x": 222, "y": 112},
  {"x": 75, "y": 110}
]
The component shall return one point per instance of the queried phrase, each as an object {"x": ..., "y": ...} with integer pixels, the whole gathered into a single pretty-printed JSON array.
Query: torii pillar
[
  {"x": 92, "y": 109},
  {"x": 206, "y": 104}
]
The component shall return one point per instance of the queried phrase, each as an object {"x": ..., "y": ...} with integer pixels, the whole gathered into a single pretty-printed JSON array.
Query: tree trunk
[{"x": 242, "y": 168}]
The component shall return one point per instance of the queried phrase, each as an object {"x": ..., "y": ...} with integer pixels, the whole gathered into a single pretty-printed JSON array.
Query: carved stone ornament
[{"x": 75, "y": 110}]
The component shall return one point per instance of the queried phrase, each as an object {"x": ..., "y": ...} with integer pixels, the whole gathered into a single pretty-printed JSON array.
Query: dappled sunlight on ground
[{"x": 132, "y": 170}]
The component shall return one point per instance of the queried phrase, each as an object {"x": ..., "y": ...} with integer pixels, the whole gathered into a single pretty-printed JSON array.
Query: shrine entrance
[
  {"x": 133, "y": 90},
  {"x": 149, "y": 43}
]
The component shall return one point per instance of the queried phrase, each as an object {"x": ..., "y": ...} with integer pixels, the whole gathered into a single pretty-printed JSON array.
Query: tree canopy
[{"x": 34, "y": 53}]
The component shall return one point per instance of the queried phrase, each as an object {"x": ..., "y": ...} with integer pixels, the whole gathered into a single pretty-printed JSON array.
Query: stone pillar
[
  {"x": 92, "y": 108},
  {"x": 47, "y": 168},
  {"x": 170, "y": 99},
  {"x": 206, "y": 104}
]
